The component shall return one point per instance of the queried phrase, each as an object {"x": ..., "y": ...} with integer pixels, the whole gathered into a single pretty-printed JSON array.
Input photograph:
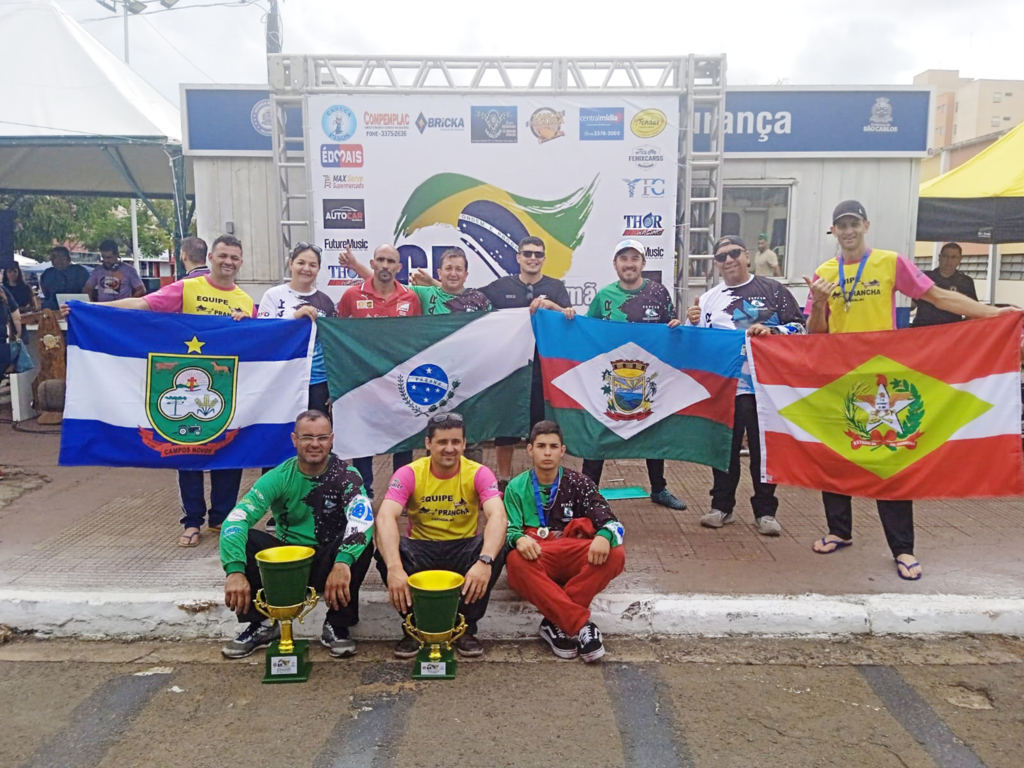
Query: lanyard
[
  {"x": 536, "y": 495},
  {"x": 848, "y": 297}
]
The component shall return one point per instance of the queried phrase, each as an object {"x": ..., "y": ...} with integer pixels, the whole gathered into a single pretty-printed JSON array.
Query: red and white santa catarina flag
[{"x": 922, "y": 413}]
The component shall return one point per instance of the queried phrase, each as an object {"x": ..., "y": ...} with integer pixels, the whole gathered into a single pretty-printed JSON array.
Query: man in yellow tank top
[
  {"x": 443, "y": 495},
  {"x": 856, "y": 292},
  {"x": 211, "y": 294}
]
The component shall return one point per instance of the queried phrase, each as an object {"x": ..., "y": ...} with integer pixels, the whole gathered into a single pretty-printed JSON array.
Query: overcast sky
[{"x": 795, "y": 41}]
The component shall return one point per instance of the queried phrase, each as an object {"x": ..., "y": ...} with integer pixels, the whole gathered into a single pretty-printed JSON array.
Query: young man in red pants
[{"x": 566, "y": 545}]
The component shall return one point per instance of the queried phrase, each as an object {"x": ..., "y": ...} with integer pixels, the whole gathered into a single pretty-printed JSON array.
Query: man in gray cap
[{"x": 635, "y": 299}]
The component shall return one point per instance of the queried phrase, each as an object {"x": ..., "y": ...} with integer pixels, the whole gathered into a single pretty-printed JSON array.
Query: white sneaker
[
  {"x": 716, "y": 518},
  {"x": 768, "y": 526}
]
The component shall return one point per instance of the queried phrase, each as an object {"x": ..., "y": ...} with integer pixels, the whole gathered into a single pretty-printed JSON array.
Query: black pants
[
  {"x": 323, "y": 562},
  {"x": 723, "y": 492},
  {"x": 364, "y": 465},
  {"x": 897, "y": 521},
  {"x": 592, "y": 468},
  {"x": 318, "y": 397},
  {"x": 458, "y": 555}
]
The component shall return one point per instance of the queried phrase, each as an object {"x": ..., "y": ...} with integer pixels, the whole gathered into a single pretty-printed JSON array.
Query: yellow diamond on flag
[{"x": 883, "y": 416}]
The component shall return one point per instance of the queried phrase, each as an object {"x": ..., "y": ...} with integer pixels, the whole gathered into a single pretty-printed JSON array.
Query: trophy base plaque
[
  {"x": 435, "y": 663},
  {"x": 291, "y": 667}
]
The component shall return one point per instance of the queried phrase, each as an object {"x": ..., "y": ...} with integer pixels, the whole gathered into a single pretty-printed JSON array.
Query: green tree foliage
[{"x": 42, "y": 220}]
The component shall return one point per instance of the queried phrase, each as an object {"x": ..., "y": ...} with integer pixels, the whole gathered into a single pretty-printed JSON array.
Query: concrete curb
[{"x": 179, "y": 616}]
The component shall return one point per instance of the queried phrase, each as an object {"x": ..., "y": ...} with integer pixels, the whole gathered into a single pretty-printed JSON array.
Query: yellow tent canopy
[{"x": 981, "y": 201}]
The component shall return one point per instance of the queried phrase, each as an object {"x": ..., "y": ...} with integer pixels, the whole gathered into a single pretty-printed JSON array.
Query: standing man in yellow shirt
[
  {"x": 856, "y": 292},
  {"x": 443, "y": 494}
]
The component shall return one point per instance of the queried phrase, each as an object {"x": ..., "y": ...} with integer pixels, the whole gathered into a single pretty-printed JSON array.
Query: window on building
[
  {"x": 1007, "y": 94},
  {"x": 975, "y": 266},
  {"x": 749, "y": 211},
  {"x": 954, "y": 130},
  {"x": 1005, "y": 119},
  {"x": 1011, "y": 266},
  {"x": 996, "y": 98},
  {"x": 956, "y": 107},
  {"x": 995, "y": 122}
]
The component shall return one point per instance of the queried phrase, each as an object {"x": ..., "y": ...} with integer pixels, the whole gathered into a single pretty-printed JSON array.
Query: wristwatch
[{"x": 486, "y": 559}]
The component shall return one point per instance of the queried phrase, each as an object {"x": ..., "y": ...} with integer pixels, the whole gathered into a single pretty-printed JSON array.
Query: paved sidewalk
[{"x": 95, "y": 532}]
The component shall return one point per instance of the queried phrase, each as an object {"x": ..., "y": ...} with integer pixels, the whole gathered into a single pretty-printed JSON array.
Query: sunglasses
[
  {"x": 300, "y": 247},
  {"x": 735, "y": 253},
  {"x": 532, "y": 254},
  {"x": 446, "y": 418}
]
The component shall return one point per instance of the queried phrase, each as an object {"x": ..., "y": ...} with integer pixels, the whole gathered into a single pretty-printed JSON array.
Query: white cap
[{"x": 636, "y": 245}]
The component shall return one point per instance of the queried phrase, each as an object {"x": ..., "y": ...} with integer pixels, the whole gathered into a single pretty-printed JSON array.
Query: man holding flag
[
  {"x": 211, "y": 294},
  {"x": 635, "y": 299},
  {"x": 856, "y": 292}
]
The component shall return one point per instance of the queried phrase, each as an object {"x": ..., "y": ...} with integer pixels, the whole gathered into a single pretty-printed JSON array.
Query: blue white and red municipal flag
[
  {"x": 633, "y": 390},
  {"x": 146, "y": 389}
]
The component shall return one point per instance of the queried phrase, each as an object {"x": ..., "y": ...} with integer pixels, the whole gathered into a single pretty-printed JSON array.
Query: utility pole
[{"x": 275, "y": 38}]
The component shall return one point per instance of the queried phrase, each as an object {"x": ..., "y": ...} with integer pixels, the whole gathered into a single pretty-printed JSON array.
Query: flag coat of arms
[
  {"x": 146, "y": 389},
  {"x": 387, "y": 376},
  {"x": 923, "y": 413},
  {"x": 632, "y": 390}
]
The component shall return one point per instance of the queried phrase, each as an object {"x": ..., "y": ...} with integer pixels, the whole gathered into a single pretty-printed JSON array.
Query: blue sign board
[
  {"x": 868, "y": 122},
  {"x": 232, "y": 121},
  {"x": 824, "y": 122}
]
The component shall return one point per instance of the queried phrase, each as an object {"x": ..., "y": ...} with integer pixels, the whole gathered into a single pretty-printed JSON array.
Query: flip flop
[
  {"x": 838, "y": 545},
  {"x": 192, "y": 540},
  {"x": 214, "y": 528},
  {"x": 908, "y": 566}
]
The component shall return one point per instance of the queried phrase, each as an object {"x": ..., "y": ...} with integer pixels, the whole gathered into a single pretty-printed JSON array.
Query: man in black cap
[
  {"x": 855, "y": 292},
  {"x": 948, "y": 276}
]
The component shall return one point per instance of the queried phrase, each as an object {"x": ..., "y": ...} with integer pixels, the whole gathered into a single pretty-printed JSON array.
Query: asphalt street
[{"x": 956, "y": 703}]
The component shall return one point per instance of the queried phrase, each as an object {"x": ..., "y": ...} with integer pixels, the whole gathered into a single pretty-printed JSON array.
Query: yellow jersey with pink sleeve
[{"x": 869, "y": 303}]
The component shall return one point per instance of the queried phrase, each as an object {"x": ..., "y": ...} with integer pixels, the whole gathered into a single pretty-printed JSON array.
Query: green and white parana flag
[{"x": 388, "y": 376}]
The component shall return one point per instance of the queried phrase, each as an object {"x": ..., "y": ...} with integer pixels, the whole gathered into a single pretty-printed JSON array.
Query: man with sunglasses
[
  {"x": 530, "y": 288},
  {"x": 761, "y": 306},
  {"x": 317, "y": 501},
  {"x": 635, "y": 299},
  {"x": 380, "y": 295},
  {"x": 443, "y": 494}
]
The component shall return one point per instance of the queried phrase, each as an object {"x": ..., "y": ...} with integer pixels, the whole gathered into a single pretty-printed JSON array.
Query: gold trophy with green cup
[
  {"x": 286, "y": 596},
  {"x": 435, "y": 622}
]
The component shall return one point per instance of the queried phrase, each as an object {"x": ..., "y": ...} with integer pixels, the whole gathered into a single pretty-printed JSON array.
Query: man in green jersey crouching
[{"x": 318, "y": 501}]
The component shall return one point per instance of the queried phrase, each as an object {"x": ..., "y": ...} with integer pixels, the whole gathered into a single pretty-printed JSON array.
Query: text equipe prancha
[
  {"x": 344, "y": 214},
  {"x": 331, "y": 244},
  {"x": 643, "y": 225},
  {"x": 341, "y": 155},
  {"x": 646, "y": 156},
  {"x": 386, "y": 124},
  {"x": 440, "y": 123},
  {"x": 343, "y": 181}
]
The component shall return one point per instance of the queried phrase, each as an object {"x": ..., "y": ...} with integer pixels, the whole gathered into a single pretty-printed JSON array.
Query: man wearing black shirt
[
  {"x": 530, "y": 288},
  {"x": 952, "y": 279}
]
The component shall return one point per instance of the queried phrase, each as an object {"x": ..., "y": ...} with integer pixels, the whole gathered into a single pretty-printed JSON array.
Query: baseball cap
[
  {"x": 849, "y": 208},
  {"x": 729, "y": 240},
  {"x": 763, "y": 236},
  {"x": 636, "y": 245}
]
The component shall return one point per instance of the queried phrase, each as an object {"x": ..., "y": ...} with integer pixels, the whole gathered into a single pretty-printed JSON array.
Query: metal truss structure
[{"x": 698, "y": 81}]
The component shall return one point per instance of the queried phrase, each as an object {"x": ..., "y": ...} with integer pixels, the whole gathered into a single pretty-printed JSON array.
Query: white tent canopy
[{"x": 75, "y": 119}]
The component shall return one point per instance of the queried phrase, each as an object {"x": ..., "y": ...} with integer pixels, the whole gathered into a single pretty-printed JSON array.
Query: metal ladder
[
  {"x": 290, "y": 152},
  {"x": 700, "y": 175}
]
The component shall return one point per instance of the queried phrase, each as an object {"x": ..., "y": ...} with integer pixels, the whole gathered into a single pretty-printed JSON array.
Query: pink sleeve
[
  {"x": 911, "y": 281},
  {"x": 167, "y": 299},
  {"x": 486, "y": 484},
  {"x": 403, "y": 483}
]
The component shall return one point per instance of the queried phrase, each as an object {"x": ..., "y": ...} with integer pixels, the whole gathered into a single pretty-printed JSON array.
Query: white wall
[
  {"x": 887, "y": 188},
  {"x": 241, "y": 190}
]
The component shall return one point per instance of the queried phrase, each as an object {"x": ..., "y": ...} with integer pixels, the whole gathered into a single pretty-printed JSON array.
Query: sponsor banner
[
  {"x": 235, "y": 121},
  {"x": 428, "y": 172}
]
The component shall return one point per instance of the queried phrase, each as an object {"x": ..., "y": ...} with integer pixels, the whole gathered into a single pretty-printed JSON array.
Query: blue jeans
[
  {"x": 224, "y": 485},
  {"x": 364, "y": 465}
]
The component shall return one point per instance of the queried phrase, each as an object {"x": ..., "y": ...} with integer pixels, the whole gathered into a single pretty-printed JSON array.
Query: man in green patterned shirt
[
  {"x": 449, "y": 294},
  {"x": 317, "y": 501}
]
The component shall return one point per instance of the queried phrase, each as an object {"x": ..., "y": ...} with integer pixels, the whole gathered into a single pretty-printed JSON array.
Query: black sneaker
[
  {"x": 468, "y": 645},
  {"x": 337, "y": 641},
  {"x": 563, "y": 646},
  {"x": 256, "y": 635},
  {"x": 271, "y": 524},
  {"x": 589, "y": 642},
  {"x": 407, "y": 648}
]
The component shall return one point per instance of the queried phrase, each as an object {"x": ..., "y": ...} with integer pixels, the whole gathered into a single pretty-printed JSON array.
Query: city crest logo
[
  {"x": 427, "y": 389},
  {"x": 190, "y": 400},
  {"x": 630, "y": 390},
  {"x": 886, "y": 416},
  {"x": 881, "y": 117}
]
